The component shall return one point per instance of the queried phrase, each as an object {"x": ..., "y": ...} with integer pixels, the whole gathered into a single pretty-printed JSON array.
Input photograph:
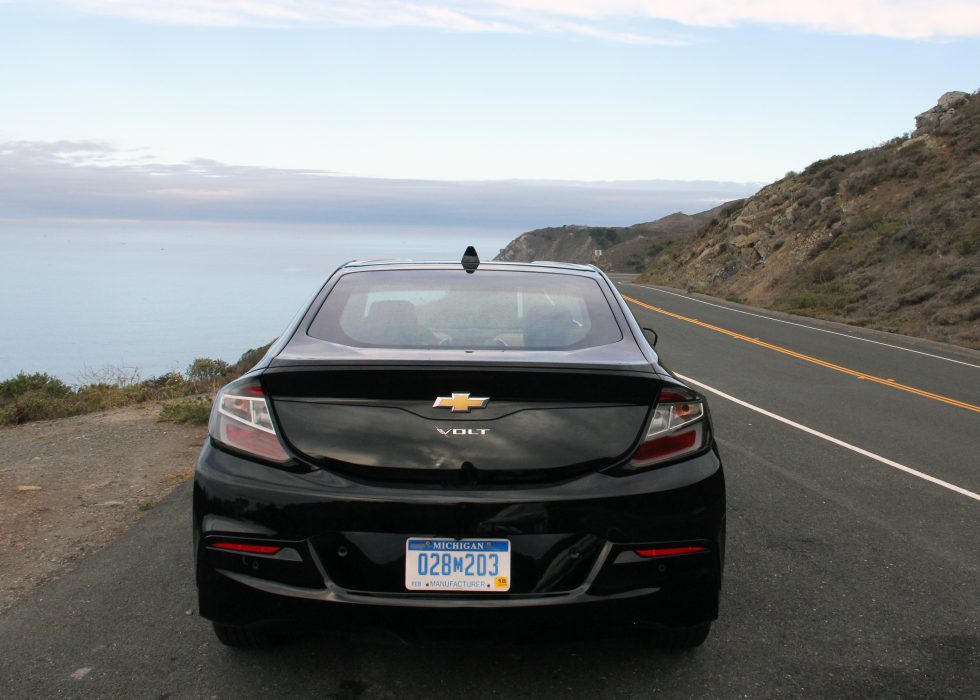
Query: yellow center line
[{"x": 829, "y": 365}]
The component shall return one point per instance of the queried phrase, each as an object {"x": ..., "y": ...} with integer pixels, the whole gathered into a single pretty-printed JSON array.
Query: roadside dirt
[{"x": 69, "y": 486}]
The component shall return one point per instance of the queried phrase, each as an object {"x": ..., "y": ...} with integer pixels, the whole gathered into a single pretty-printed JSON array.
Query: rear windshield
[{"x": 452, "y": 309}]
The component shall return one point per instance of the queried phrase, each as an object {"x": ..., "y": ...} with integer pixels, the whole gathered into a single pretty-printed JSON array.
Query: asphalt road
[{"x": 847, "y": 576}]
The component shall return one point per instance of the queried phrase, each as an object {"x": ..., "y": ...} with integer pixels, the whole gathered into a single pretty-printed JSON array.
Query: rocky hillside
[
  {"x": 888, "y": 237},
  {"x": 613, "y": 248}
]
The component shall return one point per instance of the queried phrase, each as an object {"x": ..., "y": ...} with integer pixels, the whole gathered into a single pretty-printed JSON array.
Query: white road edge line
[
  {"x": 828, "y": 438},
  {"x": 803, "y": 325}
]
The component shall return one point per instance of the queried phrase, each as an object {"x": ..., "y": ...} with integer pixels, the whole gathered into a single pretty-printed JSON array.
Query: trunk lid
[{"x": 538, "y": 423}]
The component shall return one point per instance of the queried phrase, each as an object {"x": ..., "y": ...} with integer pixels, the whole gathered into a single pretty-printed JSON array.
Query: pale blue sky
[
  {"x": 482, "y": 89},
  {"x": 152, "y": 150}
]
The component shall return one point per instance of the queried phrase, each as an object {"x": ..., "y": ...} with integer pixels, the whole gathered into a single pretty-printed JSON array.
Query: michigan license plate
[{"x": 443, "y": 564}]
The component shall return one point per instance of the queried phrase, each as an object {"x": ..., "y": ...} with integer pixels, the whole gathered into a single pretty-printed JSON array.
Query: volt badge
[{"x": 461, "y": 403}]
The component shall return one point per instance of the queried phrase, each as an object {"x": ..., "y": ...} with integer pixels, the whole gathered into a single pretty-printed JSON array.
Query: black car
[{"x": 438, "y": 438}]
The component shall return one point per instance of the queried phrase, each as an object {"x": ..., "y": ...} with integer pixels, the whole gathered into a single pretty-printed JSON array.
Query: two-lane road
[
  {"x": 850, "y": 573},
  {"x": 886, "y": 424},
  {"x": 916, "y": 405}
]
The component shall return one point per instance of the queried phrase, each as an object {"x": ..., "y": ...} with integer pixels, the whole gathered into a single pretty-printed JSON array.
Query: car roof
[{"x": 406, "y": 264}]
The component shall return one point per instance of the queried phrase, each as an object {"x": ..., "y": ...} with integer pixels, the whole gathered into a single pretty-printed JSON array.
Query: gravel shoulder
[{"x": 69, "y": 486}]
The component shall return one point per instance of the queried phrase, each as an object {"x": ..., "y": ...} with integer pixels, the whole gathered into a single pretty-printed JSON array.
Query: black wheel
[
  {"x": 683, "y": 637},
  {"x": 243, "y": 637}
]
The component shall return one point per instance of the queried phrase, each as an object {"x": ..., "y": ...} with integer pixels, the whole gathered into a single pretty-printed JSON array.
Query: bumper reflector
[
  {"x": 246, "y": 548},
  {"x": 668, "y": 551}
]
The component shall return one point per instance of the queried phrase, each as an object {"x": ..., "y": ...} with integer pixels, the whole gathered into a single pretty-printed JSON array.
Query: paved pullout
[{"x": 845, "y": 578}]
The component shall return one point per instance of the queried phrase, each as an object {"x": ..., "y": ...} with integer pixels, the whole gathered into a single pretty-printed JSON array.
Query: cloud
[
  {"x": 91, "y": 181},
  {"x": 905, "y": 19}
]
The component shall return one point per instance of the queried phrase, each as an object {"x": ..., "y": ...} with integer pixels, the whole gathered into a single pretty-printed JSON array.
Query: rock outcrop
[{"x": 943, "y": 113}]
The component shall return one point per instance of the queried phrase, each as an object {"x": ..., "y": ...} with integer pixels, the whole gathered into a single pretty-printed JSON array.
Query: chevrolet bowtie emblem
[{"x": 461, "y": 403}]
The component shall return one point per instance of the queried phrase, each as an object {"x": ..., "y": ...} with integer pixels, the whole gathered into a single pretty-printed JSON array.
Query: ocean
[{"x": 80, "y": 302}]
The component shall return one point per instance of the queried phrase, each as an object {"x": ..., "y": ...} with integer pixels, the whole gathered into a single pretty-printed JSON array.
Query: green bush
[
  {"x": 196, "y": 411},
  {"x": 818, "y": 299},
  {"x": 205, "y": 369},
  {"x": 249, "y": 359},
  {"x": 31, "y": 406},
  {"x": 37, "y": 383},
  {"x": 39, "y": 396},
  {"x": 34, "y": 397},
  {"x": 169, "y": 385},
  {"x": 820, "y": 272}
]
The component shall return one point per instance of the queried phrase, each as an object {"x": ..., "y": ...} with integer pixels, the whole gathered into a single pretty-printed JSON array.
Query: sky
[{"x": 534, "y": 111}]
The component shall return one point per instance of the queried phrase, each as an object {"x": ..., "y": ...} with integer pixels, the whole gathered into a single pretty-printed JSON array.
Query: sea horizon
[{"x": 84, "y": 302}]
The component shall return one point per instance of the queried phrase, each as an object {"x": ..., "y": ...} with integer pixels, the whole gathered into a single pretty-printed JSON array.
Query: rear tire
[{"x": 243, "y": 637}]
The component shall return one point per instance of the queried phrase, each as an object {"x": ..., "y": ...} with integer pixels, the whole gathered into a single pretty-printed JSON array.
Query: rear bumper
[{"x": 343, "y": 541}]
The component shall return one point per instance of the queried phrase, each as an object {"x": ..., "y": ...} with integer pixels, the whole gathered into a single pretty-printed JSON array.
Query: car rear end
[{"x": 430, "y": 438}]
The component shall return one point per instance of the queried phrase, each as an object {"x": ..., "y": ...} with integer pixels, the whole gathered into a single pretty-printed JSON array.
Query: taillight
[
  {"x": 676, "y": 429},
  {"x": 651, "y": 553},
  {"x": 267, "y": 549},
  {"x": 240, "y": 419}
]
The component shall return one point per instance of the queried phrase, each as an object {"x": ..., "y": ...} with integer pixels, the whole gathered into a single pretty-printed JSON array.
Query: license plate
[{"x": 443, "y": 564}]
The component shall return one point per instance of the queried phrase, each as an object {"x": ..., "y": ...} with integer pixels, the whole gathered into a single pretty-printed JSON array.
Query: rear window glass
[{"x": 452, "y": 309}]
